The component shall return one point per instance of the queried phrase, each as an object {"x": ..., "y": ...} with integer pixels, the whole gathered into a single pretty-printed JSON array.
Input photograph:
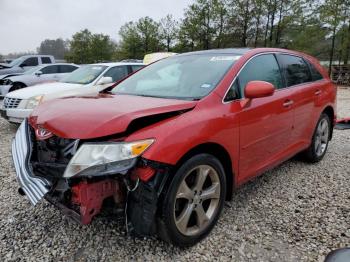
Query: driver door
[{"x": 266, "y": 124}]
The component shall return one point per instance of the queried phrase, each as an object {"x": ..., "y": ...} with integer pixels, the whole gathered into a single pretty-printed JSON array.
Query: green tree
[
  {"x": 87, "y": 48},
  {"x": 169, "y": 31},
  {"x": 139, "y": 38},
  {"x": 131, "y": 43},
  {"x": 101, "y": 48},
  {"x": 56, "y": 47},
  {"x": 149, "y": 33},
  {"x": 204, "y": 25},
  {"x": 331, "y": 13}
]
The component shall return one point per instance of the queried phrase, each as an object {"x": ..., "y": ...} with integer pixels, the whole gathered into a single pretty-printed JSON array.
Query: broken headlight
[{"x": 95, "y": 159}]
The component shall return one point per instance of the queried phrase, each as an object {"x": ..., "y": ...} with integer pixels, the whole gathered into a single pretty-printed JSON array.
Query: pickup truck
[{"x": 23, "y": 63}]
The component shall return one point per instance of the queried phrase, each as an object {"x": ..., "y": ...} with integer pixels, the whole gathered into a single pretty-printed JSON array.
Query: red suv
[{"x": 168, "y": 145}]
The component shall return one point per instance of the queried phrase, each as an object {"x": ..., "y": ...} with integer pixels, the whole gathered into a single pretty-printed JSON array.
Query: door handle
[
  {"x": 288, "y": 103},
  {"x": 318, "y": 92}
]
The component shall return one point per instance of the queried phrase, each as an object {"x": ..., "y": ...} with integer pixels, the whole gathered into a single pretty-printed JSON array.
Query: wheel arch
[
  {"x": 17, "y": 82},
  {"x": 329, "y": 110},
  {"x": 219, "y": 152}
]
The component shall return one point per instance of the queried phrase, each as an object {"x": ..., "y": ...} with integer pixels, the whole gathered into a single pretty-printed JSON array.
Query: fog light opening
[{"x": 21, "y": 192}]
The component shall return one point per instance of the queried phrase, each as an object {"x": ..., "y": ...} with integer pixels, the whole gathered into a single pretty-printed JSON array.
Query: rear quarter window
[{"x": 315, "y": 74}]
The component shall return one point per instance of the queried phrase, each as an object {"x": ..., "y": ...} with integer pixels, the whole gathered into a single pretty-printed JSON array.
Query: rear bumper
[{"x": 34, "y": 187}]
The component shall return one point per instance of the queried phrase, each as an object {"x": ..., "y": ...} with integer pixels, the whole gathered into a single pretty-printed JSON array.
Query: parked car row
[
  {"x": 170, "y": 143},
  {"x": 34, "y": 76},
  {"x": 87, "y": 80}
]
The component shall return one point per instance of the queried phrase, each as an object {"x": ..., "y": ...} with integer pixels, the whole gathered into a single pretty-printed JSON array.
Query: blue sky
[{"x": 25, "y": 23}]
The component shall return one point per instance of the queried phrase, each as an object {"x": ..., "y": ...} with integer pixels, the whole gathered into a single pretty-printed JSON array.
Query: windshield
[
  {"x": 84, "y": 75},
  {"x": 189, "y": 77},
  {"x": 16, "y": 62}
]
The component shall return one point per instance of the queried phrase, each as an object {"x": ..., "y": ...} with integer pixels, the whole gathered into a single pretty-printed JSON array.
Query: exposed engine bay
[{"x": 135, "y": 188}]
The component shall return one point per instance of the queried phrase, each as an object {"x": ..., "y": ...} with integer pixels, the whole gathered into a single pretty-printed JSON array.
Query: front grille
[{"x": 11, "y": 102}]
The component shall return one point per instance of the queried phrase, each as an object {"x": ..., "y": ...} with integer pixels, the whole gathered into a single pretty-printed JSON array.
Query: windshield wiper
[{"x": 164, "y": 97}]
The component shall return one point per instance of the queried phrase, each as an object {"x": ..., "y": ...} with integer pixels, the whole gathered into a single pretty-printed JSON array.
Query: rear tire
[
  {"x": 320, "y": 140},
  {"x": 193, "y": 202}
]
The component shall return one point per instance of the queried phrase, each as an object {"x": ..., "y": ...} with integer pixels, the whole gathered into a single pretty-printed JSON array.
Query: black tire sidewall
[
  {"x": 173, "y": 233},
  {"x": 313, "y": 149},
  {"x": 16, "y": 86}
]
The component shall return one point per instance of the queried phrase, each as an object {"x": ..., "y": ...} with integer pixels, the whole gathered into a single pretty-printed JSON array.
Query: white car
[
  {"x": 87, "y": 80},
  {"x": 23, "y": 63},
  {"x": 35, "y": 75}
]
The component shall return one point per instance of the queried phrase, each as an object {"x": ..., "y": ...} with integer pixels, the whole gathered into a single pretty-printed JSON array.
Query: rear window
[
  {"x": 295, "y": 70},
  {"x": 46, "y": 60}
]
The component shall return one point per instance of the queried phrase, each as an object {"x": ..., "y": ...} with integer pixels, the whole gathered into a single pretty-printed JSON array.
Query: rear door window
[
  {"x": 261, "y": 68},
  {"x": 45, "y": 60},
  {"x": 136, "y": 67},
  {"x": 67, "y": 68},
  {"x": 117, "y": 73},
  {"x": 295, "y": 70},
  {"x": 53, "y": 69}
]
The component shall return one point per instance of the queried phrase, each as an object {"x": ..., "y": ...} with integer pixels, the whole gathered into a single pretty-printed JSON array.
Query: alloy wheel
[
  {"x": 197, "y": 200},
  {"x": 322, "y": 136}
]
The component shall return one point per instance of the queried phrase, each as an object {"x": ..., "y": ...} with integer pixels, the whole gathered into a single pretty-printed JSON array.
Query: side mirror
[
  {"x": 257, "y": 89},
  {"x": 38, "y": 73},
  {"x": 105, "y": 80},
  {"x": 23, "y": 65}
]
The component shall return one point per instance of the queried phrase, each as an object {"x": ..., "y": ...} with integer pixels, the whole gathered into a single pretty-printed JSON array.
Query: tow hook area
[{"x": 90, "y": 196}]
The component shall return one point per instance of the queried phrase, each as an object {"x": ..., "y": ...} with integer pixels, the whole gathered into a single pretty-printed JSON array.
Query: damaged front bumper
[
  {"x": 137, "y": 189},
  {"x": 34, "y": 187}
]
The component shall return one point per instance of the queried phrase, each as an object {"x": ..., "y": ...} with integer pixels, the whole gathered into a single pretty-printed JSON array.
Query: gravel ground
[{"x": 296, "y": 212}]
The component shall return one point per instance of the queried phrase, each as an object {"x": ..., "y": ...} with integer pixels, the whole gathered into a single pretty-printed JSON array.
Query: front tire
[
  {"x": 194, "y": 201},
  {"x": 320, "y": 140}
]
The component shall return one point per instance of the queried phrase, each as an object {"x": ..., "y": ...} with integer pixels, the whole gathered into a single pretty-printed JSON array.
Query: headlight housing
[
  {"x": 6, "y": 82},
  {"x": 34, "y": 102},
  {"x": 96, "y": 159}
]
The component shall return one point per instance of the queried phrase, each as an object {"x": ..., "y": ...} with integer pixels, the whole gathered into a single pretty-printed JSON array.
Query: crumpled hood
[{"x": 102, "y": 115}]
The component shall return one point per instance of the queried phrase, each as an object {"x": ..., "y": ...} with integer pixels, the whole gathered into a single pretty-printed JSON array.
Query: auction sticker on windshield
[{"x": 225, "y": 58}]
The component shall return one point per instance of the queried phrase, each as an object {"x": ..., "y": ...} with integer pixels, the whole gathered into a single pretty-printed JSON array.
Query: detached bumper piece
[
  {"x": 34, "y": 187},
  {"x": 343, "y": 124}
]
